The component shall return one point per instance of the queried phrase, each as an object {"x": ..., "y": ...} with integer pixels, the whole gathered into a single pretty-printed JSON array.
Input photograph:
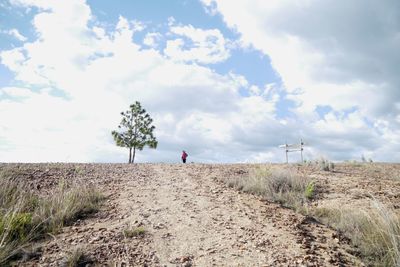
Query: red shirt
[{"x": 184, "y": 155}]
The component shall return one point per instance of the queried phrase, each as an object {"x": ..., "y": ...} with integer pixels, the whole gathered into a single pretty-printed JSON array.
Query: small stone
[{"x": 307, "y": 257}]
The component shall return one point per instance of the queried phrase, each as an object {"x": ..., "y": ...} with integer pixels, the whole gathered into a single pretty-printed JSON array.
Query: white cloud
[
  {"x": 40, "y": 127},
  {"x": 12, "y": 59},
  {"x": 151, "y": 39},
  {"x": 202, "y": 46},
  {"x": 337, "y": 54},
  {"x": 210, "y": 7},
  {"x": 255, "y": 90},
  {"x": 16, "y": 34},
  {"x": 323, "y": 46},
  {"x": 194, "y": 108},
  {"x": 102, "y": 72},
  {"x": 17, "y": 92}
]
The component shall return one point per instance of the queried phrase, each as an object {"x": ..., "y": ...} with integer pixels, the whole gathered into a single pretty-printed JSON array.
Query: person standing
[{"x": 184, "y": 156}]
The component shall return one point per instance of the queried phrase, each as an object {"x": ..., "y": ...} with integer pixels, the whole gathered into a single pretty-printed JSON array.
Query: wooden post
[
  {"x": 301, "y": 150},
  {"x": 287, "y": 159},
  {"x": 293, "y": 148}
]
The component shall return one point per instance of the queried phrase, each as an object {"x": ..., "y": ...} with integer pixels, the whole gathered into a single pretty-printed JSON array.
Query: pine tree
[{"x": 135, "y": 130}]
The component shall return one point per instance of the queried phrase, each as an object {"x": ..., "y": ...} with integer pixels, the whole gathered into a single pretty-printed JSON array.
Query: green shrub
[
  {"x": 25, "y": 216},
  {"x": 16, "y": 226},
  {"x": 310, "y": 190}
]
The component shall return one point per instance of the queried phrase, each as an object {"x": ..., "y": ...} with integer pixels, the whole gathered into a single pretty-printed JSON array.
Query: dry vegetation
[
  {"x": 374, "y": 231},
  {"x": 25, "y": 215},
  {"x": 134, "y": 231},
  {"x": 279, "y": 184},
  {"x": 76, "y": 258},
  {"x": 154, "y": 209}
]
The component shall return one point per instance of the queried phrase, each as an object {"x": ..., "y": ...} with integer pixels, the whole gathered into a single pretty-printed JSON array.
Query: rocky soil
[{"x": 191, "y": 219}]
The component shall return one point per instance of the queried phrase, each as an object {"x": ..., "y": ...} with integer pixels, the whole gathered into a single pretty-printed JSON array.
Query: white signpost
[{"x": 293, "y": 148}]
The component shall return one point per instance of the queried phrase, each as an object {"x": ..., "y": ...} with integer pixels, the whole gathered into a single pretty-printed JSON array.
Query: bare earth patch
[{"x": 182, "y": 215}]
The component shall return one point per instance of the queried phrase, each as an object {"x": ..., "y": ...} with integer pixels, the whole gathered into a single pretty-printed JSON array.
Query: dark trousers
[{"x": 184, "y": 160}]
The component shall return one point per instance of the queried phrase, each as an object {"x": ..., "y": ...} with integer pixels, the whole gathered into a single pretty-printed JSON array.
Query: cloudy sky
[{"x": 228, "y": 81}]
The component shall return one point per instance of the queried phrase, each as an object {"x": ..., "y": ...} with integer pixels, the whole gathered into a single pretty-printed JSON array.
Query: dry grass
[
  {"x": 325, "y": 165},
  {"x": 278, "y": 184},
  {"x": 376, "y": 232},
  {"x": 77, "y": 258},
  {"x": 135, "y": 231},
  {"x": 67, "y": 204},
  {"x": 25, "y": 216}
]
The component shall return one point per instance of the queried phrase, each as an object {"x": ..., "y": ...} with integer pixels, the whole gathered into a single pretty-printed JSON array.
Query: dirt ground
[{"x": 190, "y": 218}]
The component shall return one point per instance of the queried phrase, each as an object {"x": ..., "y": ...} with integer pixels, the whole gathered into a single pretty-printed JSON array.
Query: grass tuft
[
  {"x": 282, "y": 185},
  {"x": 325, "y": 165},
  {"x": 67, "y": 204},
  {"x": 77, "y": 258},
  {"x": 376, "y": 232},
  {"x": 26, "y": 216},
  {"x": 132, "y": 232}
]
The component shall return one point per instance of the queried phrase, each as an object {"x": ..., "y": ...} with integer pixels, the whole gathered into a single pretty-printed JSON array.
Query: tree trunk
[
  {"x": 134, "y": 152},
  {"x": 130, "y": 155}
]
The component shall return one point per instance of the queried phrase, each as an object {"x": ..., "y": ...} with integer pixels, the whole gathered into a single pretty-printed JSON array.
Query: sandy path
[
  {"x": 195, "y": 220},
  {"x": 210, "y": 224},
  {"x": 191, "y": 219}
]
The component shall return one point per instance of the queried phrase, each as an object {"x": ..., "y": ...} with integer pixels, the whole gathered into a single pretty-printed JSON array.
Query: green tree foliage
[{"x": 135, "y": 130}]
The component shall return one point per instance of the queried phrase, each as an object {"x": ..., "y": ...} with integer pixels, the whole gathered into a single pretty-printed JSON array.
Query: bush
[
  {"x": 15, "y": 226},
  {"x": 282, "y": 185},
  {"x": 25, "y": 216},
  {"x": 325, "y": 165},
  {"x": 14, "y": 192},
  {"x": 376, "y": 232},
  {"x": 67, "y": 204},
  {"x": 310, "y": 190}
]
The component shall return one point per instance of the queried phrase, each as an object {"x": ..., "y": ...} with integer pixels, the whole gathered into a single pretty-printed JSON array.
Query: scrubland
[{"x": 312, "y": 214}]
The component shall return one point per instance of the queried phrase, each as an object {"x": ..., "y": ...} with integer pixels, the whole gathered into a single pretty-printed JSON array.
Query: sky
[{"x": 227, "y": 81}]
